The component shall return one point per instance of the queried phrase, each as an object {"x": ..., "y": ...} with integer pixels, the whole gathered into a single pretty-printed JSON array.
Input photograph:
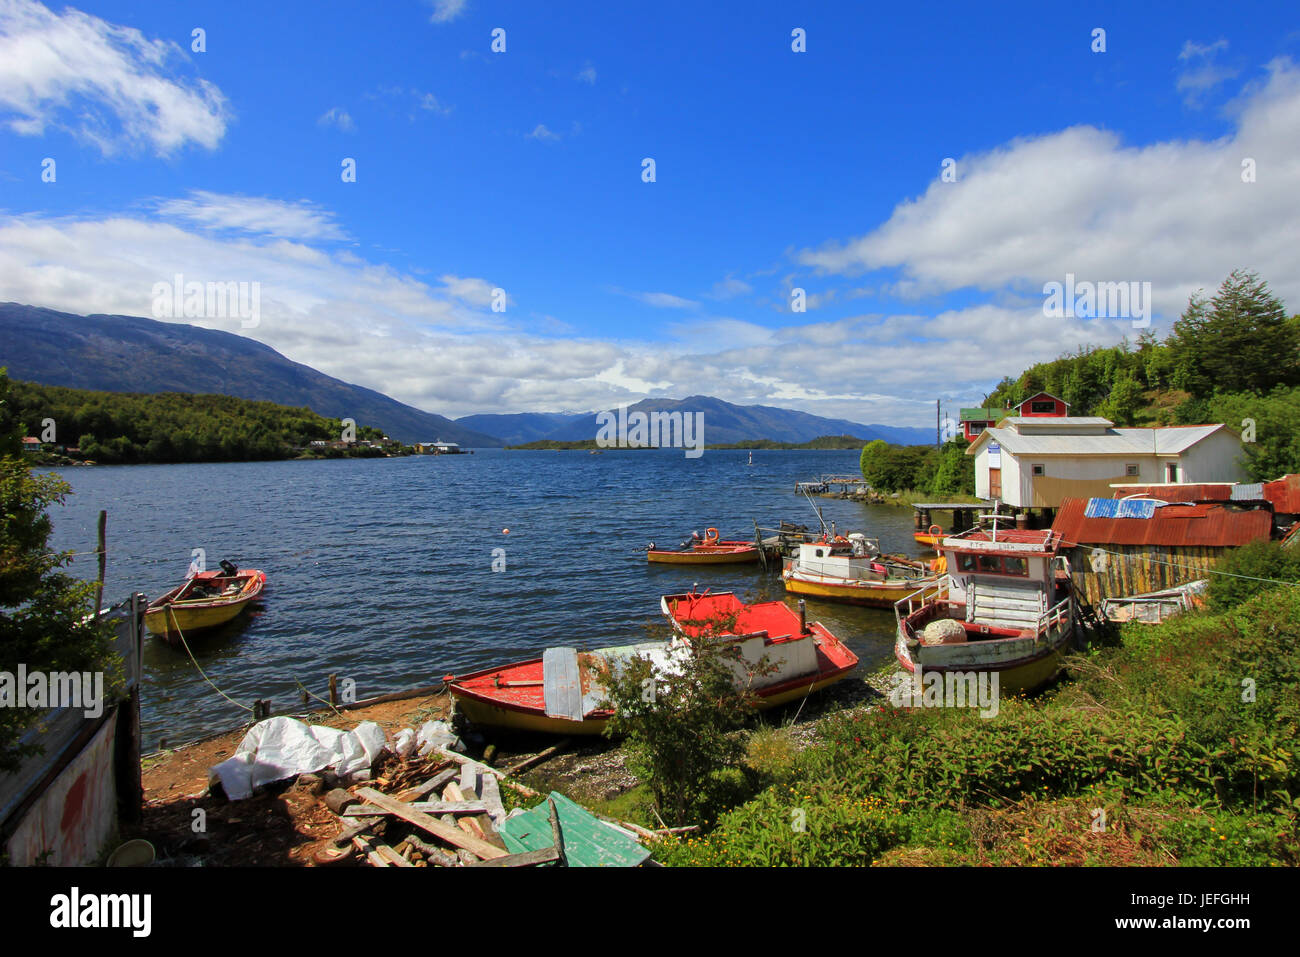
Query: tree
[
  {"x": 44, "y": 612},
  {"x": 1239, "y": 341},
  {"x": 679, "y": 721}
]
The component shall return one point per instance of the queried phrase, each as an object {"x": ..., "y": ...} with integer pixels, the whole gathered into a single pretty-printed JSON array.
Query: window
[
  {"x": 1042, "y": 407},
  {"x": 976, "y": 428},
  {"x": 1015, "y": 566},
  {"x": 1171, "y": 472},
  {"x": 1131, "y": 471},
  {"x": 966, "y": 562},
  {"x": 992, "y": 564},
  {"x": 1040, "y": 470}
]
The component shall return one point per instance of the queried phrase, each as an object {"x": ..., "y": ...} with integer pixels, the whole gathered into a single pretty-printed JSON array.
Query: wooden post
[
  {"x": 103, "y": 561},
  {"x": 334, "y": 690},
  {"x": 556, "y": 833}
]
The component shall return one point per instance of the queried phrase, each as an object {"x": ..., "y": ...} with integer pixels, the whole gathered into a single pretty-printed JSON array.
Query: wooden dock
[
  {"x": 963, "y": 514},
  {"x": 825, "y": 483}
]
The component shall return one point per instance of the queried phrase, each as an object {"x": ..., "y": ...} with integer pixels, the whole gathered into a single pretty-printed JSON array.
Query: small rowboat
[
  {"x": 561, "y": 692},
  {"x": 711, "y": 550},
  {"x": 206, "y": 600}
]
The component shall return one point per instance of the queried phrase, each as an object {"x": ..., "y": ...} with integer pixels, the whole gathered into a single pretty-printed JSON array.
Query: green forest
[
  {"x": 1233, "y": 357},
  {"x": 171, "y": 427}
]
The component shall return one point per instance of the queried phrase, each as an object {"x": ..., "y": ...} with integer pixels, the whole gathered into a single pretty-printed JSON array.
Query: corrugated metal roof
[
  {"x": 1247, "y": 492},
  {"x": 1197, "y": 525},
  {"x": 1170, "y": 439},
  {"x": 981, "y": 415},
  {"x": 1163, "y": 441},
  {"x": 1216, "y": 492},
  {"x": 1120, "y": 508},
  {"x": 1284, "y": 493}
]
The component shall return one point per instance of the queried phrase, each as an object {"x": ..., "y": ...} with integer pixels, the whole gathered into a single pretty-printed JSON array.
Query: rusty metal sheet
[
  {"x": 562, "y": 683},
  {"x": 1194, "y": 525}
]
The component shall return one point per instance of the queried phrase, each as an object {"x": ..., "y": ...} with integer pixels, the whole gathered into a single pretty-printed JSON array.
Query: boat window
[
  {"x": 966, "y": 562},
  {"x": 820, "y": 553},
  {"x": 989, "y": 563},
  {"x": 1015, "y": 566}
]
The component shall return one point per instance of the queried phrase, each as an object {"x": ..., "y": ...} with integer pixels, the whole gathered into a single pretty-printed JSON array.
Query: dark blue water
[{"x": 381, "y": 569}]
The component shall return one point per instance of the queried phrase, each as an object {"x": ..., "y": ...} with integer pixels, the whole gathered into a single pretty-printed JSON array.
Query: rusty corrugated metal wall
[{"x": 1134, "y": 569}]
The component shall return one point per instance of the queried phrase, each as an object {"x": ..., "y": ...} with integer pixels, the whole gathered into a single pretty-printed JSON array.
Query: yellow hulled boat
[
  {"x": 205, "y": 601},
  {"x": 851, "y": 568}
]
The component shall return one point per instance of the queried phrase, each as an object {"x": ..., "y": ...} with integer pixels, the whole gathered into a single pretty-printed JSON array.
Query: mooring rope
[{"x": 185, "y": 644}]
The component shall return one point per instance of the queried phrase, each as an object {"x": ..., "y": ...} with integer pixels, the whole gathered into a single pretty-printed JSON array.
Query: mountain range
[
  {"x": 131, "y": 354},
  {"x": 724, "y": 423},
  {"x": 134, "y": 354}
]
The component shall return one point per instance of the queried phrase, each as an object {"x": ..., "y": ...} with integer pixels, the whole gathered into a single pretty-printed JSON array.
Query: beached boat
[
  {"x": 710, "y": 550},
  {"x": 1154, "y": 607},
  {"x": 1002, "y": 607},
  {"x": 561, "y": 692},
  {"x": 206, "y": 600},
  {"x": 852, "y": 568}
]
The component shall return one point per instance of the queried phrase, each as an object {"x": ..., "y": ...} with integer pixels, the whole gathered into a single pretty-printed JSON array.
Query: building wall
[
  {"x": 1123, "y": 570},
  {"x": 1214, "y": 459}
]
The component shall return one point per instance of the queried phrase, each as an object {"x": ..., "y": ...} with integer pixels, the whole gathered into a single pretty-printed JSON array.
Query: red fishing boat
[{"x": 561, "y": 692}]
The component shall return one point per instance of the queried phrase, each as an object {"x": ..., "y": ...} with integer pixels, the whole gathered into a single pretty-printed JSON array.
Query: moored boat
[
  {"x": 852, "y": 568},
  {"x": 204, "y": 601},
  {"x": 710, "y": 550},
  {"x": 561, "y": 692},
  {"x": 1001, "y": 608}
]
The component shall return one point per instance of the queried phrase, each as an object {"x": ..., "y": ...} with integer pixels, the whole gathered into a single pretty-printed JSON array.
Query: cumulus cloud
[
  {"x": 107, "y": 84},
  {"x": 1174, "y": 213},
  {"x": 587, "y": 75}
]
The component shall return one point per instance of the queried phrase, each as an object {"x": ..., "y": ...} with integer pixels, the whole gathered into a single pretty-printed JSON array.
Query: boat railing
[
  {"x": 908, "y": 606},
  {"x": 1054, "y": 616}
]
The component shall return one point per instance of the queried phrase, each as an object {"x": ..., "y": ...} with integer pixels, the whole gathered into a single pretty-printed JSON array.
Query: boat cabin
[{"x": 846, "y": 556}]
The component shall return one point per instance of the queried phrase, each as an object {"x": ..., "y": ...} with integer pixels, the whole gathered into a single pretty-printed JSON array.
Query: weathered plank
[
  {"x": 526, "y": 859},
  {"x": 429, "y": 786},
  {"x": 492, "y": 799},
  {"x": 501, "y": 776},
  {"x": 451, "y": 835},
  {"x": 426, "y": 807}
]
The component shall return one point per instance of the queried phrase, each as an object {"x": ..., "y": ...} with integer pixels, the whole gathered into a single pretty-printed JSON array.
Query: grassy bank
[{"x": 1178, "y": 746}]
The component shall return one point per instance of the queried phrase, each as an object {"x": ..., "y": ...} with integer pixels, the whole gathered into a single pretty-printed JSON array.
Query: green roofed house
[{"x": 975, "y": 421}]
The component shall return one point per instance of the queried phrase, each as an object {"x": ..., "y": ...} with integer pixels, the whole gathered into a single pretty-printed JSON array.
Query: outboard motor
[{"x": 229, "y": 569}]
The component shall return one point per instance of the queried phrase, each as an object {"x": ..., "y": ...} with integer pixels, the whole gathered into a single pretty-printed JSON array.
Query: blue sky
[{"x": 775, "y": 170}]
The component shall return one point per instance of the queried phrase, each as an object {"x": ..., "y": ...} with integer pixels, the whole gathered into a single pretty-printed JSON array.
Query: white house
[{"x": 1030, "y": 462}]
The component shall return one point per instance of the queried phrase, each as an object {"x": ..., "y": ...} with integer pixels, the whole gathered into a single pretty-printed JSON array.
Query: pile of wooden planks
[{"x": 443, "y": 811}]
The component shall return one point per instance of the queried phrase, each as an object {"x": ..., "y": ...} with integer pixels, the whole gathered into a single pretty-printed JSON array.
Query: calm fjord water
[{"x": 381, "y": 569}]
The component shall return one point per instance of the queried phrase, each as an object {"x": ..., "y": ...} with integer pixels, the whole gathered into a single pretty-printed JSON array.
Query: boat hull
[
  {"x": 707, "y": 555},
  {"x": 878, "y": 595},
  {"x": 171, "y": 619}
]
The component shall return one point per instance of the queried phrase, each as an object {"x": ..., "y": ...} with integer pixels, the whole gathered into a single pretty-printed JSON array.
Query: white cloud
[
  {"x": 105, "y": 83},
  {"x": 729, "y": 288},
  {"x": 339, "y": 117},
  {"x": 587, "y": 75},
  {"x": 1173, "y": 213},
  {"x": 1201, "y": 73},
  {"x": 445, "y": 11},
  {"x": 540, "y": 132},
  {"x": 254, "y": 214}
]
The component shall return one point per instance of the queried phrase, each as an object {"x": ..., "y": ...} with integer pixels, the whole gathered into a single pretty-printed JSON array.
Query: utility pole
[{"x": 938, "y": 426}]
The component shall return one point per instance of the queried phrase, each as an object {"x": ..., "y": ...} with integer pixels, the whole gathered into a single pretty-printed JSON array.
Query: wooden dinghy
[
  {"x": 710, "y": 550},
  {"x": 561, "y": 693},
  {"x": 204, "y": 601},
  {"x": 1151, "y": 608}
]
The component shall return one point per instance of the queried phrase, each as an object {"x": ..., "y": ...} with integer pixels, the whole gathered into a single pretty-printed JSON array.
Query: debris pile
[{"x": 418, "y": 803}]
